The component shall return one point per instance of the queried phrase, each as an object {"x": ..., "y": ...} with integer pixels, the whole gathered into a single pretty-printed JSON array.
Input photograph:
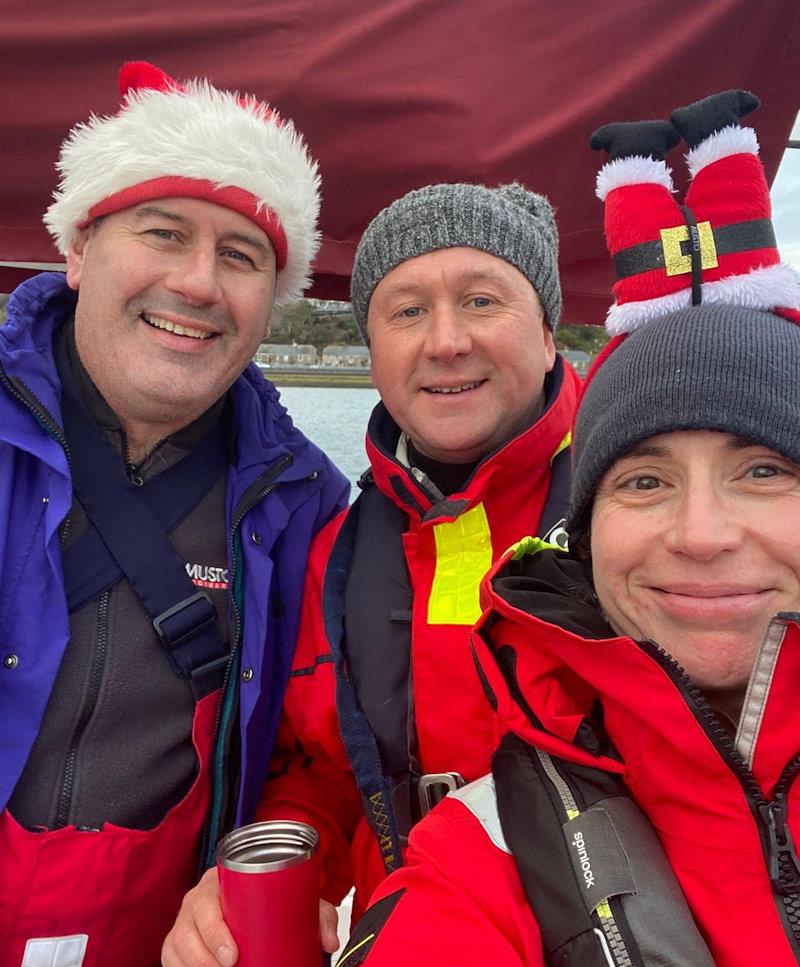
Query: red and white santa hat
[
  {"x": 189, "y": 139},
  {"x": 726, "y": 216}
]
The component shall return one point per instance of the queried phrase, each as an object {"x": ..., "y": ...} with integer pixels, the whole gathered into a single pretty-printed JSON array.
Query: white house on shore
[
  {"x": 346, "y": 356},
  {"x": 275, "y": 354}
]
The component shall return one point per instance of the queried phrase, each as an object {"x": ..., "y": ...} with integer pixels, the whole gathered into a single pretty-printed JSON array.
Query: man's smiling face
[
  {"x": 174, "y": 297},
  {"x": 459, "y": 350}
]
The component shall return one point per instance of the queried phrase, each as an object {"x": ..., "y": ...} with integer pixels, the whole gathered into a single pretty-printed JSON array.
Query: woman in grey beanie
[{"x": 643, "y": 804}]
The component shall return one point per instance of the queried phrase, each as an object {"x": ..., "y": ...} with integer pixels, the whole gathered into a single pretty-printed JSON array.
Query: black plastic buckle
[
  {"x": 185, "y": 619},
  {"x": 433, "y": 787}
]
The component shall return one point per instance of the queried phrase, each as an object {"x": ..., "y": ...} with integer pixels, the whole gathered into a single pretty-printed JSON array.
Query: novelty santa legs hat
[
  {"x": 706, "y": 318},
  {"x": 192, "y": 140},
  {"x": 725, "y": 219}
]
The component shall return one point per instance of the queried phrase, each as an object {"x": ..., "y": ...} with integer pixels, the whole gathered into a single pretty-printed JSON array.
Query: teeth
[
  {"x": 452, "y": 389},
  {"x": 160, "y": 323}
]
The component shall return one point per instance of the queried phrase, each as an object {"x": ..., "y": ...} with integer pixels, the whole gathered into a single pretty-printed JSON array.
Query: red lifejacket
[{"x": 95, "y": 898}]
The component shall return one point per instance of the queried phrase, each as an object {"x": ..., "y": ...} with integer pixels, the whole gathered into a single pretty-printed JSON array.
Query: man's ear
[
  {"x": 549, "y": 346},
  {"x": 75, "y": 257}
]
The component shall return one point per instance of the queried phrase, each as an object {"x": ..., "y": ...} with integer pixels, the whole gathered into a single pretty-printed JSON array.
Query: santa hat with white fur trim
[
  {"x": 192, "y": 140},
  {"x": 726, "y": 216}
]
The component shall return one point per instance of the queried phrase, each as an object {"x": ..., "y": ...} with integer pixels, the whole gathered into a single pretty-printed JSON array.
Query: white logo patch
[
  {"x": 55, "y": 951},
  {"x": 207, "y": 576}
]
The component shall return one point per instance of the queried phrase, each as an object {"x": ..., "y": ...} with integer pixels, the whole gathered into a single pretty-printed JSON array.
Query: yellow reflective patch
[
  {"x": 463, "y": 556},
  {"x": 532, "y": 545},
  {"x": 603, "y": 910},
  {"x": 563, "y": 445},
  {"x": 572, "y": 813}
]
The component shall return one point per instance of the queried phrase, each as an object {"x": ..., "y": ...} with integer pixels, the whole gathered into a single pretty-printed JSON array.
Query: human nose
[
  {"x": 704, "y": 523},
  {"x": 194, "y": 277},
  {"x": 447, "y": 334}
]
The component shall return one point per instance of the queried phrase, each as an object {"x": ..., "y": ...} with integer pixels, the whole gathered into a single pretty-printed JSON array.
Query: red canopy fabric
[{"x": 395, "y": 95}]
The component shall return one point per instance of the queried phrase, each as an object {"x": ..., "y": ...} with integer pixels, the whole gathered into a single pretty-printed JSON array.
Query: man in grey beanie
[{"x": 456, "y": 291}]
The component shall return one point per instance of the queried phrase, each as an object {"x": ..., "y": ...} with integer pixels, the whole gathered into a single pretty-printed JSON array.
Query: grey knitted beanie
[
  {"x": 510, "y": 222},
  {"x": 710, "y": 367}
]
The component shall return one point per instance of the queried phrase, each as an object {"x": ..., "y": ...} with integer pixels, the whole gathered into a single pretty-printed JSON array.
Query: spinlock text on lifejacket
[{"x": 583, "y": 857}]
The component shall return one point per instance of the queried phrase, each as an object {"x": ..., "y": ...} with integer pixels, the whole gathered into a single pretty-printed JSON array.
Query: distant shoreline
[{"x": 328, "y": 377}]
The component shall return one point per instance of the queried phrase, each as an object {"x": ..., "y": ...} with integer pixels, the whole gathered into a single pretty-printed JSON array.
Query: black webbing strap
[
  {"x": 556, "y": 503},
  {"x": 357, "y": 735},
  {"x": 135, "y": 537},
  {"x": 90, "y": 569},
  {"x": 695, "y": 255}
]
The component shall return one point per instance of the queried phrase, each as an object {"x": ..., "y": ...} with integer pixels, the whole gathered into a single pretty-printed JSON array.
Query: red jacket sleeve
[
  {"x": 310, "y": 776},
  {"x": 458, "y": 900}
]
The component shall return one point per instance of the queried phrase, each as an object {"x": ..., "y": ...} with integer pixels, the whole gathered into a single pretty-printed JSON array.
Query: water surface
[{"x": 335, "y": 419}]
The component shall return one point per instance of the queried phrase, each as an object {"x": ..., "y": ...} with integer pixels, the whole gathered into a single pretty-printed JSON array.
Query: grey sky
[{"x": 786, "y": 202}]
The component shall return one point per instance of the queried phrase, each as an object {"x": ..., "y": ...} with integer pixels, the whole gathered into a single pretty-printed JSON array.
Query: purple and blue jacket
[{"x": 281, "y": 487}]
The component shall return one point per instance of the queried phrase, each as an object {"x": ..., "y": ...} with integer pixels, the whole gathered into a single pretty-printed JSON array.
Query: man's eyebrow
[
  {"x": 147, "y": 211},
  {"x": 482, "y": 275},
  {"x": 466, "y": 277},
  {"x": 400, "y": 288},
  {"x": 245, "y": 239}
]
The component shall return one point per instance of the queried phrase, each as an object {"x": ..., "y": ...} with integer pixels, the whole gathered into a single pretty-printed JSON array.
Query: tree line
[{"x": 304, "y": 323}]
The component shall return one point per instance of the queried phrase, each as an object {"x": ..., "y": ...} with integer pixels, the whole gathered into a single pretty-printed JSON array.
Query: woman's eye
[
  {"x": 643, "y": 483},
  {"x": 411, "y": 312},
  {"x": 480, "y": 302},
  {"x": 764, "y": 471}
]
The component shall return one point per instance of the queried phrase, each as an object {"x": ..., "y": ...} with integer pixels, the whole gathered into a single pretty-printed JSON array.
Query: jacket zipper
[
  {"x": 608, "y": 933},
  {"x": 46, "y": 420},
  {"x": 89, "y": 705},
  {"x": 769, "y": 815},
  {"x": 24, "y": 395},
  {"x": 256, "y": 493}
]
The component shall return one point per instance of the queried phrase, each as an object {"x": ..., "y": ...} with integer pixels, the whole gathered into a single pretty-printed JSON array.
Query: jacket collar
[
  {"x": 550, "y": 663},
  {"x": 36, "y": 309},
  {"x": 511, "y": 467}
]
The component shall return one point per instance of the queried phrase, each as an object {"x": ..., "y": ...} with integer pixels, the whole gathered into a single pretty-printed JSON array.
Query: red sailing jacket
[
  {"x": 446, "y": 554},
  {"x": 460, "y": 900}
]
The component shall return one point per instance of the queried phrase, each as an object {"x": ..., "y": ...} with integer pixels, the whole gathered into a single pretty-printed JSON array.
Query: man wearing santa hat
[{"x": 157, "y": 505}]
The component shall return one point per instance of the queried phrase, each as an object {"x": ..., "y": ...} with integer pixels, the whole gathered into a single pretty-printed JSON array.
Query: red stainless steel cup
[{"x": 269, "y": 889}]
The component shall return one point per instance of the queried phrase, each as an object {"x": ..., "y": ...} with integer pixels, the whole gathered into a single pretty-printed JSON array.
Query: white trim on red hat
[
  {"x": 721, "y": 144},
  {"x": 764, "y": 288},
  {"x": 633, "y": 170},
  {"x": 198, "y": 134}
]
